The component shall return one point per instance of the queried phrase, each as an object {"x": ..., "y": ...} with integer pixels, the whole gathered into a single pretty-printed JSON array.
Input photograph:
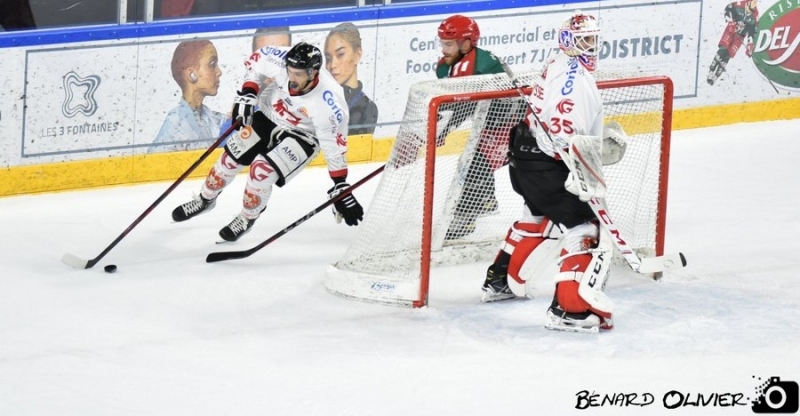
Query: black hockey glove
[
  {"x": 346, "y": 208},
  {"x": 244, "y": 105}
]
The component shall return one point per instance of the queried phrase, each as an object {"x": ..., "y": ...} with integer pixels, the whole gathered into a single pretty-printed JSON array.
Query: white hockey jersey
[
  {"x": 567, "y": 100},
  {"x": 321, "y": 113}
]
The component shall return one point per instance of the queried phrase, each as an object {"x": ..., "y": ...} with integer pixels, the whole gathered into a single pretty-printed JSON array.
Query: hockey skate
[
  {"x": 585, "y": 322},
  {"x": 489, "y": 207},
  {"x": 717, "y": 68},
  {"x": 461, "y": 226},
  {"x": 193, "y": 208},
  {"x": 496, "y": 286},
  {"x": 236, "y": 229}
]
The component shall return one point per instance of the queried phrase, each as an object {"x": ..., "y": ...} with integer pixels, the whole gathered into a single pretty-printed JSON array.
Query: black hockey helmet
[{"x": 304, "y": 56}]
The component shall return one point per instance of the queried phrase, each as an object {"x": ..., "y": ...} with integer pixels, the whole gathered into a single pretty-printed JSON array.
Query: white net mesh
[{"x": 473, "y": 203}]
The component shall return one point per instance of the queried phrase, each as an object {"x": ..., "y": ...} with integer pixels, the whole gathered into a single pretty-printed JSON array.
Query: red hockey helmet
[{"x": 458, "y": 27}]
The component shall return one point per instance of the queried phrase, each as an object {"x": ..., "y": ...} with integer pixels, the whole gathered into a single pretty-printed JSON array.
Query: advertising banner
[{"x": 150, "y": 95}]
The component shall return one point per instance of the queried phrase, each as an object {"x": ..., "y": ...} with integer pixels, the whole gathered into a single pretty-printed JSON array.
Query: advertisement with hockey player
[
  {"x": 775, "y": 52},
  {"x": 758, "y": 45},
  {"x": 157, "y": 95}
]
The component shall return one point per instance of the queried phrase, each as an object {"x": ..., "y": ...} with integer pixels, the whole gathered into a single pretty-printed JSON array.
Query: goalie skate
[
  {"x": 489, "y": 207},
  {"x": 585, "y": 322},
  {"x": 496, "y": 286},
  {"x": 460, "y": 227}
]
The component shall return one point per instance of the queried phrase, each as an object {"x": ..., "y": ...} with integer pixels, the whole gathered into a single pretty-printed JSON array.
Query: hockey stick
[
  {"x": 234, "y": 255},
  {"x": 646, "y": 265},
  {"x": 79, "y": 263}
]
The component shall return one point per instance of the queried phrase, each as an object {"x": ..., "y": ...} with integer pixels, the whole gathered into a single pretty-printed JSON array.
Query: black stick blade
[{"x": 226, "y": 255}]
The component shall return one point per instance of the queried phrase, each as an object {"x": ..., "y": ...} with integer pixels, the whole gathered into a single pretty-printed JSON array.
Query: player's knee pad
[
  {"x": 259, "y": 187},
  {"x": 222, "y": 173},
  {"x": 522, "y": 239},
  {"x": 291, "y": 155}
]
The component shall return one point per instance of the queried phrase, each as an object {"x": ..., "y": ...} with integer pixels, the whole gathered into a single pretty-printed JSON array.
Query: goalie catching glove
[
  {"x": 244, "y": 105},
  {"x": 346, "y": 208},
  {"x": 614, "y": 143}
]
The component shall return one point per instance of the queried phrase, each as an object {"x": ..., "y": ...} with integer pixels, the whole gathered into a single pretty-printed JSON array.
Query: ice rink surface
[{"x": 169, "y": 334}]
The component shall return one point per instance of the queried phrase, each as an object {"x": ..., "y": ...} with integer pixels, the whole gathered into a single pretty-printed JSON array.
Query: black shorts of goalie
[{"x": 539, "y": 179}]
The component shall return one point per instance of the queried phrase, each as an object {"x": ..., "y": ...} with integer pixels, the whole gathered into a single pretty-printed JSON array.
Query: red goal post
[{"x": 429, "y": 184}]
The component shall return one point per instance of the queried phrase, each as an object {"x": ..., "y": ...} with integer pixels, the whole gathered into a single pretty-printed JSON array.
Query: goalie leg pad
[
  {"x": 259, "y": 188},
  {"x": 585, "y": 266},
  {"x": 222, "y": 174},
  {"x": 522, "y": 239}
]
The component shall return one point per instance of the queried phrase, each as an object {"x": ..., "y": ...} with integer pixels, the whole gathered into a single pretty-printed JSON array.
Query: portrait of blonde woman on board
[{"x": 343, "y": 53}]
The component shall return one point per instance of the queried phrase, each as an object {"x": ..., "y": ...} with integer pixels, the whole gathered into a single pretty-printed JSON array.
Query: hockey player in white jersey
[
  {"x": 567, "y": 100},
  {"x": 307, "y": 113}
]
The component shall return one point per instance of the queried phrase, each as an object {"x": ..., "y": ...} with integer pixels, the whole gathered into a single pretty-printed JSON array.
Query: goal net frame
[{"x": 362, "y": 286}]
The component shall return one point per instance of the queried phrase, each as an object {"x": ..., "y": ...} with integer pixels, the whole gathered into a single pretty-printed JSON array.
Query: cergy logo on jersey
[
  {"x": 337, "y": 112},
  {"x": 284, "y": 112},
  {"x": 341, "y": 140},
  {"x": 565, "y": 106},
  {"x": 573, "y": 69},
  {"x": 777, "y": 40},
  {"x": 79, "y": 95}
]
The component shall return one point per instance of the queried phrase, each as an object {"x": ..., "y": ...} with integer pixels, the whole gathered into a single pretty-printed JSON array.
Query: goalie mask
[{"x": 580, "y": 37}]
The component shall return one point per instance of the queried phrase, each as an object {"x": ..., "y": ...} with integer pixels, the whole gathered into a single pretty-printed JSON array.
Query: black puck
[{"x": 111, "y": 268}]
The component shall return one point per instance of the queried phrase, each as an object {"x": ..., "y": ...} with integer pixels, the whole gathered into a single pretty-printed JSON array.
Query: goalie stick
[
  {"x": 647, "y": 265},
  {"x": 79, "y": 263},
  {"x": 234, "y": 255}
]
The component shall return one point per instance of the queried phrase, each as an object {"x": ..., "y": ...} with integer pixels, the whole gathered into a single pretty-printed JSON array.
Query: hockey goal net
[{"x": 445, "y": 197}]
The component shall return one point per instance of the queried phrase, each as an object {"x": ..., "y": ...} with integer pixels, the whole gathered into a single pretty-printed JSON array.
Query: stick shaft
[
  {"x": 90, "y": 263},
  {"x": 232, "y": 255}
]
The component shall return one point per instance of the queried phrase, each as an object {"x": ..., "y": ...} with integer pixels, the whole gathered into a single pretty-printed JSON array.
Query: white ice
[{"x": 169, "y": 334}]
